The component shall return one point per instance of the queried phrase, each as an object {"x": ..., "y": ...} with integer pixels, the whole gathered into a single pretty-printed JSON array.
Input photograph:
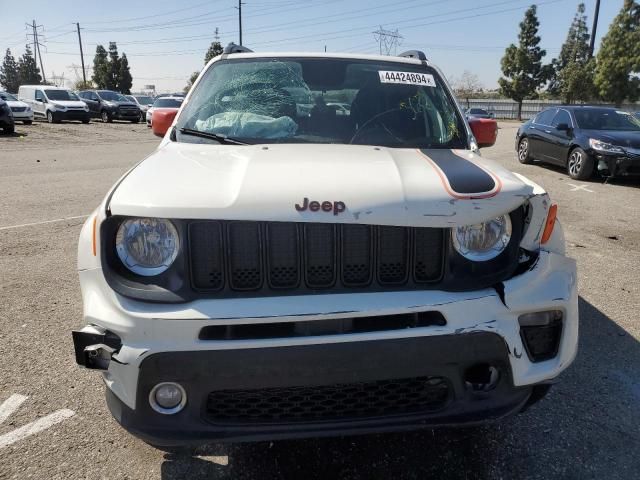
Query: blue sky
[{"x": 166, "y": 40}]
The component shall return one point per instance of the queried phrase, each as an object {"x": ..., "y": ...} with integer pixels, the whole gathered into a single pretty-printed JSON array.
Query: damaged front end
[{"x": 94, "y": 347}]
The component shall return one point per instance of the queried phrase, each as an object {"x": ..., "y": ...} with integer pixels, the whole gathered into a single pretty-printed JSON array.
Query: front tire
[
  {"x": 524, "y": 151},
  {"x": 50, "y": 117},
  {"x": 580, "y": 166},
  {"x": 106, "y": 118}
]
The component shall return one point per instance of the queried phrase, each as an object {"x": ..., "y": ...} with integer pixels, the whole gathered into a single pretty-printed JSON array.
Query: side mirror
[
  {"x": 485, "y": 130},
  {"x": 563, "y": 127},
  {"x": 161, "y": 120}
]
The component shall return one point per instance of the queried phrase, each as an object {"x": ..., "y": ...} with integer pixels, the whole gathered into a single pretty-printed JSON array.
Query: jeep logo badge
[{"x": 326, "y": 206}]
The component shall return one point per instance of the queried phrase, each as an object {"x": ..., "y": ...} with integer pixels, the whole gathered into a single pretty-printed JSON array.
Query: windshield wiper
[{"x": 212, "y": 136}]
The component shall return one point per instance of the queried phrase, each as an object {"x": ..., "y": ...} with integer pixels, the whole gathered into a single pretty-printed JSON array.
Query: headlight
[
  {"x": 483, "y": 241},
  {"x": 86, "y": 108},
  {"x": 604, "y": 147},
  {"x": 147, "y": 246}
]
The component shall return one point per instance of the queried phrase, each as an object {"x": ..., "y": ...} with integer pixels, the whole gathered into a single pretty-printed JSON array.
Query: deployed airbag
[{"x": 248, "y": 125}]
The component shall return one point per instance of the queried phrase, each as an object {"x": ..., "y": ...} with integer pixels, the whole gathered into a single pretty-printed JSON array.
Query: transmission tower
[
  {"x": 216, "y": 35},
  {"x": 389, "y": 40}
]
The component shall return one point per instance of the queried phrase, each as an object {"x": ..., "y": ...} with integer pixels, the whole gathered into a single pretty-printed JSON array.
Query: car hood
[
  {"x": 383, "y": 186},
  {"x": 615, "y": 137},
  {"x": 16, "y": 103},
  {"x": 69, "y": 103},
  {"x": 124, "y": 104}
]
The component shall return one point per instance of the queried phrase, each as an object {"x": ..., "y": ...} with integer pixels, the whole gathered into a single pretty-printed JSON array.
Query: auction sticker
[{"x": 407, "y": 78}]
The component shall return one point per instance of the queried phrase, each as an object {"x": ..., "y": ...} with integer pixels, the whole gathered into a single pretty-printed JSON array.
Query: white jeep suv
[{"x": 276, "y": 269}]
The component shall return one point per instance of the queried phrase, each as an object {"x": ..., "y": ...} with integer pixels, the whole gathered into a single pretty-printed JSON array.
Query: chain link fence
[{"x": 506, "y": 109}]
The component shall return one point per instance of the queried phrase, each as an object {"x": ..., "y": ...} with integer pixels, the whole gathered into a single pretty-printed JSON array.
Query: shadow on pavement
[{"x": 587, "y": 427}]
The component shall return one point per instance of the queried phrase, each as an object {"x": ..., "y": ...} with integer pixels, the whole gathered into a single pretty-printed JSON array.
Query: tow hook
[{"x": 94, "y": 346}]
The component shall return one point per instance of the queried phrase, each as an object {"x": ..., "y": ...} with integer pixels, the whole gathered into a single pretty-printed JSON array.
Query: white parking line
[
  {"x": 10, "y": 405},
  {"x": 35, "y": 427},
  {"x": 579, "y": 187},
  {"x": 9, "y": 227}
]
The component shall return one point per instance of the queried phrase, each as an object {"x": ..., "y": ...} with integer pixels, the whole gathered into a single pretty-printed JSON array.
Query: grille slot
[
  {"x": 335, "y": 402},
  {"x": 320, "y": 262},
  {"x": 207, "y": 262},
  {"x": 231, "y": 257},
  {"x": 245, "y": 269},
  {"x": 392, "y": 255},
  {"x": 283, "y": 255}
]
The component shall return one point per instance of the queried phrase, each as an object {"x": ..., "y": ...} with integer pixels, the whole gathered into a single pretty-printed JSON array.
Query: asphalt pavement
[{"x": 54, "y": 423}]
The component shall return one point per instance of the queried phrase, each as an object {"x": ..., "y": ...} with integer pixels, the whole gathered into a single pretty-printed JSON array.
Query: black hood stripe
[{"x": 462, "y": 178}]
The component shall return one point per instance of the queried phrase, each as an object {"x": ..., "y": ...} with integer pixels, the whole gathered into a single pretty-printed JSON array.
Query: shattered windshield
[{"x": 321, "y": 100}]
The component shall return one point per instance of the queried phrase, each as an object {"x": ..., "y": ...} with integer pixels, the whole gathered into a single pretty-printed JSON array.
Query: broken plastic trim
[{"x": 94, "y": 347}]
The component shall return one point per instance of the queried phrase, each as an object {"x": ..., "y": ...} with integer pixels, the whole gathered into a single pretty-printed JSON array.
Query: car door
[
  {"x": 557, "y": 146},
  {"x": 40, "y": 106},
  {"x": 93, "y": 104},
  {"x": 537, "y": 133}
]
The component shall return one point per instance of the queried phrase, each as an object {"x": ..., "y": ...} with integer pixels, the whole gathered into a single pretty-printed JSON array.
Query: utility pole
[
  {"x": 84, "y": 75},
  {"x": 36, "y": 48},
  {"x": 592, "y": 44},
  {"x": 216, "y": 35},
  {"x": 388, "y": 40},
  {"x": 239, "y": 8}
]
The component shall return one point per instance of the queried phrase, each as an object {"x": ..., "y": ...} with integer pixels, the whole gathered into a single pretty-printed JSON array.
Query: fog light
[
  {"x": 541, "y": 333},
  {"x": 167, "y": 398}
]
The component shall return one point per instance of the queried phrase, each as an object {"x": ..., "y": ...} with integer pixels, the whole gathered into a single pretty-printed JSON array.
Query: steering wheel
[{"x": 369, "y": 122}]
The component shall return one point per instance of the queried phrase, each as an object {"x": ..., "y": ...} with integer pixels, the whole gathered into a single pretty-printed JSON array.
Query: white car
[
  {"x": 55, "y": 104},
  {"x": 21, "y": 111},
  {"x": 144, "y": 102},
  {"x": 167, "y": 102},
  {"x": 265, "y": 275}
]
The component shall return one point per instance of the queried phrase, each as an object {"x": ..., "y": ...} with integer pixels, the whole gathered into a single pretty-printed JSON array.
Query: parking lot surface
[{"x": 52, "y": 176}]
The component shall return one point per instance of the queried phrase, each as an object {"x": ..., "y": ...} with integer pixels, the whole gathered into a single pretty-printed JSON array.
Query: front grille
[
  {"x": 18, "y": 109},
  {"x": 263, "y": 257},
  {"x": 329, "y": 402},
  {"x": 128, "y": 109}
]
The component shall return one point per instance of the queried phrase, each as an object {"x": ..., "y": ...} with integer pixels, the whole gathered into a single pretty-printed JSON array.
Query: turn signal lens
[{"x": 551, "y": 221}]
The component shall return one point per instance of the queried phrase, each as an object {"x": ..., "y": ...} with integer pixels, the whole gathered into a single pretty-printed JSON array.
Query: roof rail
[
  {"x": 233, "y": 48},
  {"x": 414, "y": 54}
]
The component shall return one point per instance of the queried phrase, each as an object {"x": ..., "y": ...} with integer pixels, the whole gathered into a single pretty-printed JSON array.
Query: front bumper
[
  {"x": 119, "y": 115},
  {"x": 161, "y": 343},
  {"x": 72, "y": 115},
  {"x": 617, "y": 165},
  {"x": 22, "y": 116}
]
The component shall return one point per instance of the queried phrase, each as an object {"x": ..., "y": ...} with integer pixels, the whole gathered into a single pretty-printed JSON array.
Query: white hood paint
[
  {"x": 68, "y": 103},
  {"x": 381, "y": 186}
]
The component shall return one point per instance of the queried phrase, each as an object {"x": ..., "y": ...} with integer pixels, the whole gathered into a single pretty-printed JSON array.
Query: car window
[
  {"x": 561, "y": 117},
  {"x": 167, "y": 103},
  {"x": 292, "y": 100},
  {"x": 606, "y": 119},
  {"x": 546, "y": 116},
  {"x": 7, "y": 97},
  {"x": 61, "y": 95},
  {"x": 39, "y": 95}
]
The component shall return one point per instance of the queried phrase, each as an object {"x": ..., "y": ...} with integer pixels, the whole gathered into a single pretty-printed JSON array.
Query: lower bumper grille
[
  {"x": 329, "y": 402},
  {"x": 18, "y": 109}
]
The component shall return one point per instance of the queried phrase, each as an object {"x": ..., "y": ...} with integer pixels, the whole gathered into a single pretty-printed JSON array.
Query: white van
[{"x": 54, "y": 103}]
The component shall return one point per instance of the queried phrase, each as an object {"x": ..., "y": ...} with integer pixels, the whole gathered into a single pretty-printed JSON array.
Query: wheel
[
  {"x": 50, "y": 118},
  {"x": 9, "y": 129},
  {"x": 579, "y": 164},
  {"x": 524, "y": 155},
  {"x": 142, "y": 116},
  {"x": 106, "y": 118},
  {"x": 27, "y": 122}
]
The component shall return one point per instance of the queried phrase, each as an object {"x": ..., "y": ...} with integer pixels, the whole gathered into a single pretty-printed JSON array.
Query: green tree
[
  {"x": 124, "y": 75},
  {"x": 9, "y": 73},
  {"x": 214, "y": 50},
  {"x": 522, "y": 64},
  {"x": 618, "y": 60},
  {"x": 28, "y": 68},
  {"x": 114, "y": 67},
  {"x": 100, "y": 68},
  {"x": 82, "y": 85},
  {"x": 573, "y": 70}
]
